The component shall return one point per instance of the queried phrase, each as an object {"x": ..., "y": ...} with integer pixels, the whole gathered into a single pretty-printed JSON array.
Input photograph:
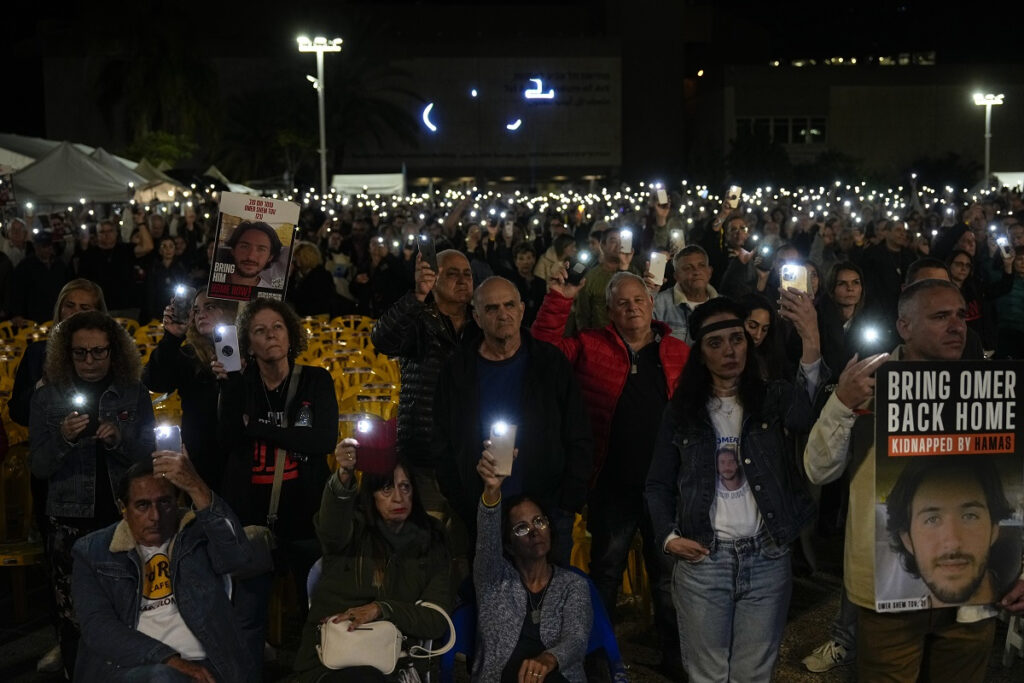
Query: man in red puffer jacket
[{"x": 627, "y": 372}]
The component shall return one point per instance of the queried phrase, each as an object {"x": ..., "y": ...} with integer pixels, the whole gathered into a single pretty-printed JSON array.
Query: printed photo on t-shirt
[{"x": 730, "y": 473}]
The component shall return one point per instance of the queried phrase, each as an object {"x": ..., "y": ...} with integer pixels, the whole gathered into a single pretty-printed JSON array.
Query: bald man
[{"x": 510, "y": 377}]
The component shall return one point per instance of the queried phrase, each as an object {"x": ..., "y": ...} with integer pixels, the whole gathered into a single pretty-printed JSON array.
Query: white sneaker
[
  {"x": 827, "y": 656},
  {"x": 51, "y": 662}
]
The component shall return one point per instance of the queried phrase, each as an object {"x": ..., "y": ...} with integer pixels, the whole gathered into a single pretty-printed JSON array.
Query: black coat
[
  {"x": 173, "y": 367},
  {"x": 554, "y": 438},
  {"x": 421, "y": 338}
]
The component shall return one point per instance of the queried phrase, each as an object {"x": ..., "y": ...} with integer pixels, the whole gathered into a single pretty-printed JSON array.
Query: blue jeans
[
  {"x": 157, "y": 673},
  {"x": 731, "y": 608},
  {"x": 844, "y": 626}
]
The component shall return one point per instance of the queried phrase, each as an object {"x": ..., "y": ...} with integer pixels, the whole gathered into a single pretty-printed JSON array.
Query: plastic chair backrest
[
  {"x": 464, "y": 620},
  {"x": 602, "y": 633},
  {"x": 312, "y": 579}
]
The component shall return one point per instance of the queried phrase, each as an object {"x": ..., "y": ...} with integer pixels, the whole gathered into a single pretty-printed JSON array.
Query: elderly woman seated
[
  {"x": 533, "y": 617},
  {"x": 382, "y": 554}
]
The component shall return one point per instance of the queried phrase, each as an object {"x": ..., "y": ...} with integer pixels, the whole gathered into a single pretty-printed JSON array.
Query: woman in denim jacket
[
  {"x": 90, "y": 420},
  {"x": 725, "y": 495}
]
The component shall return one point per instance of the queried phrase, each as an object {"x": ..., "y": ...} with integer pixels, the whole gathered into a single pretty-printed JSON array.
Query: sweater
[{"x": 565, "y": 617}]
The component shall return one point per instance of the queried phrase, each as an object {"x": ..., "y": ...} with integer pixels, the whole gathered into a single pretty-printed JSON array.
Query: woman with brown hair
[
  {"x": 90, "y": 421},
  {"x": 275, "y": 413}
]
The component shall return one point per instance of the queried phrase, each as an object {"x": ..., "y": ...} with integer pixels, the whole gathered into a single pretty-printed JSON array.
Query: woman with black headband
[{"x": 726, "y": 497}]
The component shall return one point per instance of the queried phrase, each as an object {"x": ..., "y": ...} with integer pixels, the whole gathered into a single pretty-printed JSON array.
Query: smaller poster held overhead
[
  {"x": 254, "y": 247},
  {"x": 949, "y": 483}
]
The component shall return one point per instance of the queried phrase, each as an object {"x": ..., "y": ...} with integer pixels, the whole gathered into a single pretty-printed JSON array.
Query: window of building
[{"x": 784, "y": 130}]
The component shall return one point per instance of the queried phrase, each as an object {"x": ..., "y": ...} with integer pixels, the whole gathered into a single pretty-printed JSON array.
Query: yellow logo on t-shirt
[{"x": 157, "y": 578}]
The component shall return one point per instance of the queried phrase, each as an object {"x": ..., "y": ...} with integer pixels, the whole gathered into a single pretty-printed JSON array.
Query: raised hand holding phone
[{"x": 425, "y": 277}]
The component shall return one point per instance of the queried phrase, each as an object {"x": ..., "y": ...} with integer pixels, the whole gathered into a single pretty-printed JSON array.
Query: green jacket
[{"x": 419, "y": 570}]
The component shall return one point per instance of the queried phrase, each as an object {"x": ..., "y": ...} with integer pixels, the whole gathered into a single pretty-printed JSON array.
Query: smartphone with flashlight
[
  {"x": 733, "y": 196},
  {"x": 579, "y": 268},
  {"x": 503, "y": 443},
  {"x": 794, "y": 277},
  {"x": 626, "y": 241},
  {"x": 80, "y": 406},
  {"x": 428, "y": 251},
  {"x": 168, "y": 438},
  {"x": 225, "y": 344},
  {"x": 181, "y": 302},
  {"x": 1004, "y": 246},
  {"x": 659, "y": 261},
  {"x": 676, "y": 240},
  {"x": 661, "y": 196}
]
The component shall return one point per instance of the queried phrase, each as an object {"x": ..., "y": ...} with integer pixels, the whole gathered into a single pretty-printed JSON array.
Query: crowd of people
[{"x": 689, "y": 371}]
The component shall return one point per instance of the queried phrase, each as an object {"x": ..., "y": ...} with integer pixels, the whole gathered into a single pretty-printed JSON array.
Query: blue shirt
[{"x": 500, "y": 387}]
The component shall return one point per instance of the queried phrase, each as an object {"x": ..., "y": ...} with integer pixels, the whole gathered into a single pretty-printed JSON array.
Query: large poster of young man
[
  {"x": 949, "y": 483},
  {"x": 254, "y": 241}
]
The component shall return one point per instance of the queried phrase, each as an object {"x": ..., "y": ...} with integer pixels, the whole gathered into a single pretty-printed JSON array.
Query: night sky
[{"x": 698, "y": 34}]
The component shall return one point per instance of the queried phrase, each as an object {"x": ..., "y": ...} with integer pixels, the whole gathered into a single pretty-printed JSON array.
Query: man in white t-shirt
[{"x": 150, "y": 591}]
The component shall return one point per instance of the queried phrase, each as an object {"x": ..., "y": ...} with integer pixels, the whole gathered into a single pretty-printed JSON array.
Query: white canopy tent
[
  {"x": 18, "y": 151},
  {"x": 119, "y": 170},
  {"x": 64, "y": 175},
  {"x": 215, "y": 172},
  {"x": 158, "y": 186},
  {"x": 370, "y": 183}
]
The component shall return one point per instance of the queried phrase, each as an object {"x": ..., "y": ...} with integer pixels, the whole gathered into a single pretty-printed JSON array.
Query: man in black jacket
[
  {"x": 422, "y": 329},
  {"x": 510, "y": 377}
]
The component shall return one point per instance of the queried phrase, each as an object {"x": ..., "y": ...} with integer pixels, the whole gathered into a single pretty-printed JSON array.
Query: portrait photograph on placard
[
  {"x": 254, "y": 246},
  {"x": 949, "y": 484}
]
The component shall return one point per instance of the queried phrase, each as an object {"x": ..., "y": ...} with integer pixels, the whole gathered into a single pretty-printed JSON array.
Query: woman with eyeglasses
[
  {"x": 382, "y": 553},
  {"x": 533, "y": 617},
  {"x": 90, "y": 421},
  {"x": 981, "y": 315},
  {"x": 181, "y": 362}
]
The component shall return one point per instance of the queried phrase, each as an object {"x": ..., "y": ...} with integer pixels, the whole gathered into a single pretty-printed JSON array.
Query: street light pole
[
  {"x": 987, "y": 100},
  {"x": 320, "y": 45}
]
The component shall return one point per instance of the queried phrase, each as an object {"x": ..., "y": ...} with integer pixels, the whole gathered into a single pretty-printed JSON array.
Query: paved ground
[{"x": 815, "y": 600}]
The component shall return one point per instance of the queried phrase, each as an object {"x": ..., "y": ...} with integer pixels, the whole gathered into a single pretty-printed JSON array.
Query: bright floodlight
[
  {"x": 988, "y": 100},
  {"x": 319, "y": 44},
  {"x": 981, "y": 99}
]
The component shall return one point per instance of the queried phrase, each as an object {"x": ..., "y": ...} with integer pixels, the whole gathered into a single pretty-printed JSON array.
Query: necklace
[
  {"x": 274, "y": 412},
  {"x": 535, "y": 608}
]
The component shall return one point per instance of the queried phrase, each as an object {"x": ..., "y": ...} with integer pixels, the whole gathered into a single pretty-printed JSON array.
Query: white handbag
[{"x": 377, "y": 644}]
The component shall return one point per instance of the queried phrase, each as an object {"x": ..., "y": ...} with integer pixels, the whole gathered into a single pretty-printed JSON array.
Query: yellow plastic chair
[
  {"x": 128, "y": 324},
  {"x": 579, "y": 557}
]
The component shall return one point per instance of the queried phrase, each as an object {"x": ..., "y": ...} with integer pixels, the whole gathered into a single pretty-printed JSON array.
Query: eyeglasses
[
  {"x": 405, "y": 488},
  {"x": 97, "y": 353},
  {"x": 540, "y": 523}
]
